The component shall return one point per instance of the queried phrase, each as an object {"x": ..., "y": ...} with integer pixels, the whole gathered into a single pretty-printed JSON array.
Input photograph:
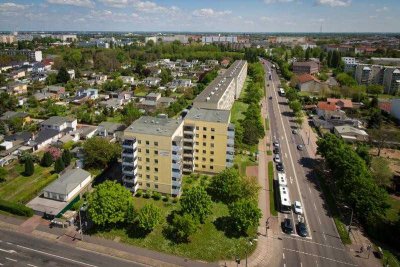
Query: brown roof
[
  {"x": 327, "y": 106},
  {"x": 385, "y": 106},
  {"x": 305, "y": 78},
  {"x": 345, "y": 103}
]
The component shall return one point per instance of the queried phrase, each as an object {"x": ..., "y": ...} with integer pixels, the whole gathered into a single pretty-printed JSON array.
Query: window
[
  {"x": 156, "y": 169},
  {"x": 139, "y": 150},
  {"x": 139, "y": 158},
  {"x": 140, "y": 183},
  {"x": 211, "y": 160},
  {"x": 212, "y": 144},
  {"x": 147, "y": 160},
  {"x": 212, "y": 129},
  {"x": 197, "y": 151},
  {"x": 147, "y": 151},
  {"x": 212, "y": 137},
  {"x": 196, "y": 165},
  {"x": 140, "y": 175},
  {"x": 204, "y": 152},
  {"x": 156, "y": 143},
  {"x": 203, "y": 159},
  {"x": 156, "y": 178},
  {"x": 211, "y": 167},
  {"x": 147, "y": 184},
  {"x": 196, "y": 158},
  {"x": 147, "y": 176},
  {"x": 147, "y": 142},
  {"x": 204, "y": 128},
  {"x": 155, "y": 152},
  {"x": 197, "y": 135},
  {"x": 204, "y": 143},
  {"x": 197, "y": 143},
  {"x": 140, "y": 167},
  {"x": 203, "y": 166},
  {"x": 212, "y": 152},
  {"x": 156, "y": 186},
  {"x": 204, "y": 136},
  {"x": 139, "y": 141},
  {"x": 147, "y": 168},
  {"x": 197, "y": 127},
  {"x": 156, "y": 161}
]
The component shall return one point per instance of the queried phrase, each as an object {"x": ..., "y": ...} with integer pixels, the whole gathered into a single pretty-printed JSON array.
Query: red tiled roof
[
  {"x": 305, "y": 78},
  {"x": 346, "y": 103},
  {"x": 385, "y": 106},
  {"x": 327, "y": 106}
]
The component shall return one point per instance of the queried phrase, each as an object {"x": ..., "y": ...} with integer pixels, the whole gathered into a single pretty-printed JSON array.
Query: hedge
[{"x": 15, "y": 208}]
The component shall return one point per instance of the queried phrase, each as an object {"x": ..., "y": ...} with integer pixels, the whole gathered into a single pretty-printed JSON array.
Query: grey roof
[
  {"x": 12, "y": 114},
  {"x": 210, "y": 115},
  {"x": 21, "y": 136},
  {"x": 57, "y": 120},
  {"x": 154, "y": 126},
  {"x": 347, "y": 129},
  {"x": 112, "y": 126},
  {"x": 68, "y": 181},
  {"x": 45, "y": 135}
]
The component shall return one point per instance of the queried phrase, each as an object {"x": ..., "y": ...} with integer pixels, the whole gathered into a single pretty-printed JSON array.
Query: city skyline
[{"x": 207, "y": 16}]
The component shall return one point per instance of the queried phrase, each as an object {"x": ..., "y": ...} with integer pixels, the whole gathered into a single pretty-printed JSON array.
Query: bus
[
  {"x": 284, "y": 200},
  {"x": 281, "y": 92},
  {"x": 282, "y": 179}
]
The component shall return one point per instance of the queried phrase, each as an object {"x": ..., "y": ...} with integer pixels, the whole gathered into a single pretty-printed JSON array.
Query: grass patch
[
  {"x": 243, "y": 161},
  {"x": 19, "y": 188},
  {"x": 330, "y": 201},
  {"x": 389, "y": 259},
  {"x": 237, "y": 111},
  {"x": 269, "y": 152},
  {"x": 208, "y": 243},
  {"x": 272, "y": 205},
  {"x": 392, "y": 213},
  {"x": 267, "y": 124}
]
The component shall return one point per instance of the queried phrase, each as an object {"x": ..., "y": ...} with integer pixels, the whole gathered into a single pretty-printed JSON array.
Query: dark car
[
  {"x": 270, "y": 97},
  {"x": 276, "y": 150},
  {"x": 279, "y": 166},
  {"x": 287, "y": 226},
  {"x": 302, "y": 229}
]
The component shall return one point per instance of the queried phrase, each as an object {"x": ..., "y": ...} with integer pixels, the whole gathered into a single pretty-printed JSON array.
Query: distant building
[
  {"x": 350, "y": 64},
  {"x": 395, "y": 108},
  {"x": 31, "y": 55},
  {"x": 109, "y": 129},
  {"x": 388, "y": 76},
  {"x": 309, "y": 67},
  {"x": 308, "y": 83},
  {"x": 65, "y": 37},
  {"x": 59, "y": 124},
  {"x": 218, "y": 39},
  {"x": 17, "y": 88},
  {"x": 386, "y": 61}
]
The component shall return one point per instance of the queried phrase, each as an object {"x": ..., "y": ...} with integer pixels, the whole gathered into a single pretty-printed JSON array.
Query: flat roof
[
  {"x": 154, "y": 126},
  {"x": 46, "y": 205},
  {"x": 209, "y": 115},
  {"x": 68, "y": 181}
]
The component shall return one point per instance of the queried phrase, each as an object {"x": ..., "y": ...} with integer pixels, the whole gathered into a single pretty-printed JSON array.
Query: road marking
[
  {"x": 313, "y": 242},
  {"x": 284, "y": 265},
  {"x": 8, "y": 243},
  {"x": 283, "y": 255},
  {"x": 318, "y": 256},
  {"x": 301, "y": 264},
  {"x": 56, "y": 256},
  {"x": 285, "y": 155},
  {"x": 309, "y": 189},
  {"x": 290, "y": 154},
  {"x": 316, "y": 263},
  {"x": 319, "y": 220},
  {"x": 8, "y": 251},
  {"x": 1, "y": 264},
  {"x": 10, "y": 259},
  {"x": 31, "y": 265},
  {"x": 291, "y": 179},
  {"x": 323, "y": 234},
  {"x": 315, "y": 207}
]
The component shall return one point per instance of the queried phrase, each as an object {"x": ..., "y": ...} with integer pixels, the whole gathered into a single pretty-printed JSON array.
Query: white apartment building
[
  {"x": 388, "y": 76},
  {"x": 32, "y": 55},
  {"x": 350, "y": 63}
]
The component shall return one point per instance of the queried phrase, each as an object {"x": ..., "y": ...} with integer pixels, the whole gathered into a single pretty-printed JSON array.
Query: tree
[
  {"x": 244, "y": 214},
  {"x": 345, "y": 79},
  {"x": 307, "y": 56},
  {"x": 295, "y": 106},
  {"x": 47, "y": 159},
  {"x": 29, "y": 167},
  {"x": 226, "y": 186},
  {"x": 363, "y": 151},
  {"x": 375, "y": 118},
  {"x": 165, "y": 76},
  {"x": 63, "y": 75},
  {"x": 66, "y": 157},
  {"x": 253, "y": 128},
  {"x": 381, "y": 172},
  {"x": 374, "y": 89},
  {"x": 182, "y": 227},
  {"x": 149, "y": 217},
  {"x": 197, "y": 203},
  {"x": 59, "y": 165},
  {"x": 99, "y": 152},
  {"x": 109, "y": 204},
  {"x": 3, "y": 174},
  {"x": 130, "y": 113},
  {"x": 299, "y": 118}
]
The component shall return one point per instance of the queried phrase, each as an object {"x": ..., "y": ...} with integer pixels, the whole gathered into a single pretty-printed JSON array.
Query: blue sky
[{"x": 202, "y": 15}]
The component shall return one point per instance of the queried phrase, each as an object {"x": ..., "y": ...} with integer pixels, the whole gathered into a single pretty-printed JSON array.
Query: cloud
[
  {"x": 277, "y": 1},
  {"x": 9, "y": 7},
  {"x": 81, "y": 3},
  {"x": 209, "y": 12},
  {"x": 334, "y": 3},
  {"x": 383, "y": 9},
  {"x": 116, "y": 3}
]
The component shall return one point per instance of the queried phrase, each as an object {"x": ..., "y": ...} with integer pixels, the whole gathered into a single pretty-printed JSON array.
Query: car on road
[
  {"x": 277, "y": 158},
  {"x": 294, "y": 131},
  {"x": 297, "y": 207},
  {"x": 276, "y": 150},
  {"x": 287, "y": 226},
  {"x": 275, "y": 143},
  {"x": 300, "y": 147},
  {"x": 270, "y": 98},
  {"x": 279, "y": 167},
  {"x": 302, "y": 229}
]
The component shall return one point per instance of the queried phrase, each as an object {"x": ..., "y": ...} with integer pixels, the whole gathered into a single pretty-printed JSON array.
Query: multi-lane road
[
  {"x": 323, "y": 246},
  {"x": 23, "y": 250}
]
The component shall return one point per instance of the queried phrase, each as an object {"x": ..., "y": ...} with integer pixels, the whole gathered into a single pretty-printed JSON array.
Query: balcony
[
  {"x": 229, "y": 164},
  {"x": 231, "y": 128},
  {"x": 176, "y": 166},
  {"x": 230, "y": 156},
  {"x": 188, "y": 139},
  {"x": 187, "y": 146},
  {"x": 177, "y": 183},
  {"x": 176, "y": 175},
  {"x": 176, "y": 190},
  {"x": 176, "y": 148},
  {"x": 129, "y": 144},
  {"x": 176, "y": 158},
  {"x": 230, "y": 150},
  {"x": 231, "y": 134},
  {"x": 231, "y": 141}
]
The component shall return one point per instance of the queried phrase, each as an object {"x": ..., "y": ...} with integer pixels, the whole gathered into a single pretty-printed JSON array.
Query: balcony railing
[{"x": 176, "y": 175}]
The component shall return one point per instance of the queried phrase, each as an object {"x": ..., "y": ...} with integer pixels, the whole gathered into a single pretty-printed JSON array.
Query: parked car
[
  {"x": 277, "y": 158},
  {"x": 279, "y": 167},
  {"x": 300, "y": 147},
  {"x": 275, "y": 143},
  {"x": 302, "y": 229},
  {"x": 294, "y": 131},
  {"x": 270, "y": 98},
  {"x": 297, "y": 207},
  {"x": 287, "y": 226},
  {"x": 276, "y": 150}
]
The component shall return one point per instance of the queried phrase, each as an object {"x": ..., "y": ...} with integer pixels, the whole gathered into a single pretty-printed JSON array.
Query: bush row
[{"x": 15, "y": 208}]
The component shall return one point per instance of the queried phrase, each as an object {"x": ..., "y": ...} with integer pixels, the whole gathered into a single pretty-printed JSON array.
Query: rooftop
[
  {"x": 347, "y": 128},
  {"x": 57, "y": 120},
  {"x": 209, "y": 115},
  {"x": 68, "y": 181},
  {"x": 154, "y": 126}
]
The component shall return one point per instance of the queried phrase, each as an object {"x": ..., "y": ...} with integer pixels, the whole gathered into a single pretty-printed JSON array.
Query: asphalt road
[
  {"x": 323, "y": 246},
  {"x": 23, "y": 250}
]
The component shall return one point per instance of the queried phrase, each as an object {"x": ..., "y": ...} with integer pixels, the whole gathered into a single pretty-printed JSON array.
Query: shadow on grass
[
  {"x": 134, "y": 231},
  {"x": 225, "y": 225}
]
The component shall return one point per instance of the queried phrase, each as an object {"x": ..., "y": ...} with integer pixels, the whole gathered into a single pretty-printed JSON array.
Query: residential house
[
  {"x": 100, "y": 78},
  {"x": 309, "y": 67},
  {"x": 109, "y": 129},
  {"x": 10, "y": 115},
  {"x": 330, "y": 111},
  {"x": 60, "y": 124},
  {"x": 112, "y": 103},
  {"x": 341, "y": 103},
  {"x": 308, "y": 83},
  {"x": 181, "y": 83},
  {"x": 17, "y": 88},
  {"x": 82, "y": 95},
  {"x": 152, "y": 81},
  {"x": 39, "y": 67},
  {"x": 351, "y": 134},
  {"x": 128, "y": 80}
]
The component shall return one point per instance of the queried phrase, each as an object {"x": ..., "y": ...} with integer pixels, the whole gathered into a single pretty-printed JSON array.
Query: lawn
[
  {"x": 237, "y": 111},
  {"x": 243, "y": 161},
  {"x": 19, "y": 188},
  {"x": 392, "y": 213},
  {"x": 208, "y": 243}
]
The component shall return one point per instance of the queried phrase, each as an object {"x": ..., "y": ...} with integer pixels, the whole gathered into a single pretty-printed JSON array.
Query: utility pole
[{"x": 80, "y": 223}]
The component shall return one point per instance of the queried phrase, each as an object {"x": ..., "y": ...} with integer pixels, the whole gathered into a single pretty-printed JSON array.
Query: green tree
[
  {"x": 109, "y": 204},
  {"x": 295, "y": 106},
  {"x": 47, "y": 159},
  {"x": 182, "y": 227},
  {"x": 59, "y": 165},
  {"x": 149, "y": 217},
  {"x": 63, "y": 75},
  {"x": 3, "y": 174},
  {"x": 165, "y": 76},
  {"x": 196, "y": 202},
  {"x": 345, "y": 79},
  {"x": 299, "y": 118},
  {"x": 381, "y": 172},
  {"x": 307, "y": 56},
  {"x": 375, "y": 118},
  {"x": 363, "y": 151},
  {"x": 253, "y": 128},
  {"x": 244, "y": 214},
  {"x": 29, "y": 167},
  {"x": 66, "y": 157},
  {"x": 130, "y": 113},
  {"x": 374, "y": 89},
  {"x": 226, "y": 186},
  {"x": 99, "y": 152}
]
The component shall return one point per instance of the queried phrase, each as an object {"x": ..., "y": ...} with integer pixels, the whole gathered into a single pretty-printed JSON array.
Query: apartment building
[
  {"x": 223, "y": 90},
  {"x": 388, "y": 76},
  {"x": 8, "y": 39},
  {"x": 350, "y": 63},
  {"x": 309, "y": 67},
  {"x": 31, "y": 55},
  {"x": 208, "y": 141},
  {"x": 152, "y": 155}
]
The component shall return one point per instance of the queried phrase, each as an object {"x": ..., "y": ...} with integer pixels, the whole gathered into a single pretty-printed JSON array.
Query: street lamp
[
  {"x": 247, "y": 250},
  {"x": 351, "y": 219}
]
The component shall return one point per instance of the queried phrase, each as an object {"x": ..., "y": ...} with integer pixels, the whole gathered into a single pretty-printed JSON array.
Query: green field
[
  {"x": 243, "y": 161},
  {"x": 19, "y": 188}
]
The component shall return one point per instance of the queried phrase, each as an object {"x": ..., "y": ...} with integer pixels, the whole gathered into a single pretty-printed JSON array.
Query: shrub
[
  {"x": 59, "y": 166},
  {"x": 166, "y": 198},
  {"x": 175, "y": 200},
  {"x": 147, "y": 195},
  {"x": 47, "y": 160},
  {"x": 15, "y": 208},
  {"x": 156, "y": 196},
  {"x": 139, "y": 193},
  {"x": 29, "y": 167}
]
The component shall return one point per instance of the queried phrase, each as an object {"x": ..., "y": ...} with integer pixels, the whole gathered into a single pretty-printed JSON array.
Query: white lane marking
[
  {"x": 8, "y": 243},
  {"x": 290, "y": 155},
  {"x": 301, "y": 264},
  {"x": 31, "y": 265},
  {"x": 316, "y": 263},
  {"x": 318, "y": 256},
  {"x": 315, "y": 207},
  {"x": 8, "y": 251},
  {"x": 285, "y": 155},
  {"x": 309, "y": 189},
  {"x": 283, "y": 255},
  {"x": 323, "y": 234},
  {"x": 1, "y": 264},
  {"x": 284, "y": 265},
  {"x": 313, "y": 242},
  {"x": 319, "y": 220},
  {"x": 56, "y": 256},
  {"x": 291, "y": 179},
  {"x": 10, "y": 259}
]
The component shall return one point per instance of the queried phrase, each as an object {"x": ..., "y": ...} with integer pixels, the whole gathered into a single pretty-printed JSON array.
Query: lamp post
[
  {"x": 351, "y": 219},
  {"x": 80, "y": 222},
  {"x": 247, "y": 250}
]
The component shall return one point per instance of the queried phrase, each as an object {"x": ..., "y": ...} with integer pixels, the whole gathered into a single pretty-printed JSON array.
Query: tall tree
[
  {"x": 307, "y": 56},
  {"x": 196, "y": 202},
  {"x": 149, "y": 217},
  {"x": 66, "y": 157},
  {"x": 182, "y": 227},
  {"x": 109, "y": 204},
  {"x": 244, "y": 214},
  {"x": 29, "y": 167},
  {"x": 59, "y": 165},
  {"x": 99, "y": 152},
  {"x": 47, "y": 159},
  {"x": 63, "y": 75}
]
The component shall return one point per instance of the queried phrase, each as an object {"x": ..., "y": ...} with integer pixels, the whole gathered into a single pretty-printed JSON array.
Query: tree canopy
[
  {"x": 99, "y": 152},
  {"x": 244, "y": 214},
  {"x": 196, "y": 202},
  {"x": 149, "y": 217}
]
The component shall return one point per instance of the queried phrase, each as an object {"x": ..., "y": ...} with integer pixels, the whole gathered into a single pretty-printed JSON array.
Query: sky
[{"x": 201, "y": 15}]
